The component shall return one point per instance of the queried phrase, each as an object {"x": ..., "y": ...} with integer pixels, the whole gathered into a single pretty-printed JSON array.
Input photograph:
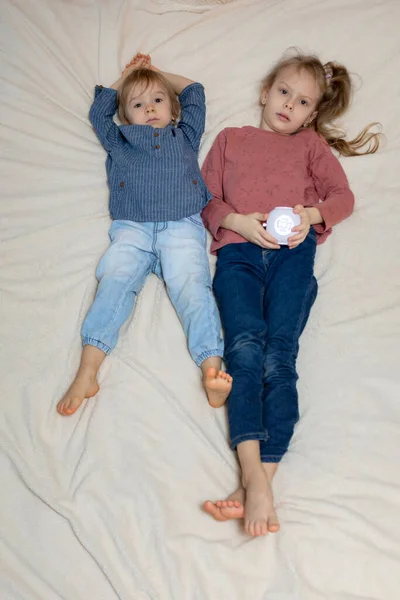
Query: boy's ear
[{"x": 264, "y": 96}]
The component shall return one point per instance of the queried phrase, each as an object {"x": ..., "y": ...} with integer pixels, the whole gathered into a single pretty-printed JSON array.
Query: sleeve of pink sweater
[
  {"x": 331, "y": 185},
  {"x": 213, "y": 172}
]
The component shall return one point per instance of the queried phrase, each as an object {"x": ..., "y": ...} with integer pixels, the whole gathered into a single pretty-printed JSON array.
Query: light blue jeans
[{"x": 176, "y": 252}]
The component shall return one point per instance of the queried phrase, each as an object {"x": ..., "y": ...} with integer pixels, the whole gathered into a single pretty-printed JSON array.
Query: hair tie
[{"x": 328, "y": 73}]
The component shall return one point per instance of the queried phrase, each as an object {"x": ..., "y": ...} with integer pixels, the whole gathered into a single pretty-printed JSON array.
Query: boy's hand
[
  {"x": 301, "y": 230},
  {"x": 139, "y": 61},
  {"x": 250, "y": 227}
]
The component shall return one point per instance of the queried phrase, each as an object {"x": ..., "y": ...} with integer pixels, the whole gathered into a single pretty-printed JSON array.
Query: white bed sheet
[{"x": 106, "y": 504}]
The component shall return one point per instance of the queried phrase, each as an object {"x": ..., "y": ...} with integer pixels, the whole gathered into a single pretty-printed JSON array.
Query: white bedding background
[{"x": 105, "y": 505}]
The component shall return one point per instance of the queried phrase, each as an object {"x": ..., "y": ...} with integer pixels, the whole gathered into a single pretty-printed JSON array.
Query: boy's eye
[
  {"x": 138, "y": 105},
  {"x": 158, "y": 99}
]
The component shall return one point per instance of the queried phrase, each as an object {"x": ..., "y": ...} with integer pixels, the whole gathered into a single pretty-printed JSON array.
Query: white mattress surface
[{"x": 106, "y": 504}]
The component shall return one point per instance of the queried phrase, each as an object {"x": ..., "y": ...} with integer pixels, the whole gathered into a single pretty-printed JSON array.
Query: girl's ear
[{"x": 310, "y": 119}]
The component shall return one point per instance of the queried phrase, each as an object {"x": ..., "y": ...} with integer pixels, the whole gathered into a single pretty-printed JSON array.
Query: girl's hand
[
  {"x": 250, "y": 227},
  {"x": 302, "y": 229}
]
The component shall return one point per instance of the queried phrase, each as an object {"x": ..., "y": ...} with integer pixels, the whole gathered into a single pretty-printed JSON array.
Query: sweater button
[
  {"x": 194, "y": 181},
  {"x": 157, "y": 147},
  {"x": 121, "y": 184},
  {"x": 156, "y": 134}
]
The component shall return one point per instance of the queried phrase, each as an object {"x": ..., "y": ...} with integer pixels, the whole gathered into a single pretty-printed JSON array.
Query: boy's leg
[
  {"x": 217, "y": 383},
  {"x": 291, "y": 289},
  {"x": 85, "y": 383},
  {"x": 121, "y": 273},
  {"x": 181, "y": 246}
]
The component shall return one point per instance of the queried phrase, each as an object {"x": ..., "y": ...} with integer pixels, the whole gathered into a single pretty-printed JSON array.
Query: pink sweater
[{"x": 251, "y": 170}]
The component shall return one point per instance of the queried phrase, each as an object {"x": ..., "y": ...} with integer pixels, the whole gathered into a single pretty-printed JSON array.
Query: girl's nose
[{"x": 288, "y": 105}]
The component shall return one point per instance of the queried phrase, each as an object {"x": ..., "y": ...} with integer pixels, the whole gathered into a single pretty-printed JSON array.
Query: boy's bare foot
[
  {"x": 84, "y": 386},
  {"x": 218, "y": 386},
  {"x": 259, "y": 512},
  {"x": 230, "y": 508}
]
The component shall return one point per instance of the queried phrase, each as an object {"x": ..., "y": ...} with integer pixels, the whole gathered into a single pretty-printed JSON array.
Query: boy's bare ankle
[{"x": 88, "y": 369}]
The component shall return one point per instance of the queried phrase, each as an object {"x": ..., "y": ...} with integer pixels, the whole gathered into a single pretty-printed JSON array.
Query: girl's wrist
[
  {"x": 314, "y": 215},
  {"x": 231, "y": 222}
]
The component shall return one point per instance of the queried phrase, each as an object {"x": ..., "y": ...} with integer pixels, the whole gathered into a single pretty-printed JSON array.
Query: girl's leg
[
  {"x": 185, "y": 269},
  {"x": 253, "y": 500},
  {"x": 239, "y": 289},
  {"x": 233, "y": 506},
  {"x": 291, "y": 290},
  {"x": 121, "y": 273}
]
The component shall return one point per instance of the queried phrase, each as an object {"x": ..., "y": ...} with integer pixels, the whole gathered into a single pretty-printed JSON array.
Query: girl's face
[
  {"x": 149, "y": 106},
  {"x": 290, "y": 102}
]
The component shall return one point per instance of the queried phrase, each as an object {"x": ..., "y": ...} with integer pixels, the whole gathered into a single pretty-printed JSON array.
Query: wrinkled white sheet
[{"x": 105, "y": 505}]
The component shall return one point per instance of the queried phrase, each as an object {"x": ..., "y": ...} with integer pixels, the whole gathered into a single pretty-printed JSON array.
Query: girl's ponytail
[{"x": 333, "y": 104}]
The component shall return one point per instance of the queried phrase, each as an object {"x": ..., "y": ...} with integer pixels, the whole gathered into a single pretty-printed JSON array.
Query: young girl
[
  {"x": 157, "y": 193},
  {"x": 264, "y": 291}
]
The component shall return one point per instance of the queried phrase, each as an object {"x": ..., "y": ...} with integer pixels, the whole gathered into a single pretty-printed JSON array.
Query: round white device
[{"x": 280, "y": 223}]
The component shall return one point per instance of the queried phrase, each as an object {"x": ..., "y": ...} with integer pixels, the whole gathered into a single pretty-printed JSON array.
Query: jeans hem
[
  {"x": 206, "y": 354},
  {"x": 88, "y": 341},
  {"x": 271, "y": 458},
  {"x": 257, "y": 436}
]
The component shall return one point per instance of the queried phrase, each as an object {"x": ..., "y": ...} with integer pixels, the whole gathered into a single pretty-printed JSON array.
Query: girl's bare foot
[
  {"x": 218, "y": 386},
  {"x": 84, "y": 386},
  {"x": 259, "y": 512},
  {"x": 230, "y": 508}
]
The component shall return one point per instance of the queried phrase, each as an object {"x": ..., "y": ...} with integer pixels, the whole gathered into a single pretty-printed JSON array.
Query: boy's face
[
  {"x": 149, "y": 106},
  {"x": 290, "y": 102}
]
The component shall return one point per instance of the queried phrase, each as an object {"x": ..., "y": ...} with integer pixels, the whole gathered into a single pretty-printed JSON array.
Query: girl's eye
[
  {"x": 303, "y": 102},
  {"x": 283, "y": 91}
]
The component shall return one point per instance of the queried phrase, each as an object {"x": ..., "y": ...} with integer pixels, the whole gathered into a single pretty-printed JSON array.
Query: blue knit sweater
[{"x": 153, "y": 174}]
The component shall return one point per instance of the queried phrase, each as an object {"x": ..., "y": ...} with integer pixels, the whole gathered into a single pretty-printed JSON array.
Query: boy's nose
[{"x": 150, "y": 108}]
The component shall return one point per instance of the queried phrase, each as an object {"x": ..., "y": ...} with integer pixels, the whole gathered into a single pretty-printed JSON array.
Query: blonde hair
[
  {"x": 335, "y": 84},
  {"x": 146, "y": 77}
]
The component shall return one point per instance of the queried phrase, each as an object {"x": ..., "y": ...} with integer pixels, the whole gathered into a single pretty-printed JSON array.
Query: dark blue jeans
[{"x": 264, "y": 298}]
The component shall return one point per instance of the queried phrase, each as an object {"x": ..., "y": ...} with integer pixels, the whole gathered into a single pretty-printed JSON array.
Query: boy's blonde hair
[
  {"x": 145, "y": 77},
  {"x": 335, "y": 84}
]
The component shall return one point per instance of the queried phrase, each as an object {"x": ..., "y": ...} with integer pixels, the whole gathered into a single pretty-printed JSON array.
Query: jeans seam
[{"x": 302, "y": 312}]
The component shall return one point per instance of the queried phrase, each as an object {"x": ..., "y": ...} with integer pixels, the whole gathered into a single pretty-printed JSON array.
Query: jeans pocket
[{"x": 196, "y": 219}]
